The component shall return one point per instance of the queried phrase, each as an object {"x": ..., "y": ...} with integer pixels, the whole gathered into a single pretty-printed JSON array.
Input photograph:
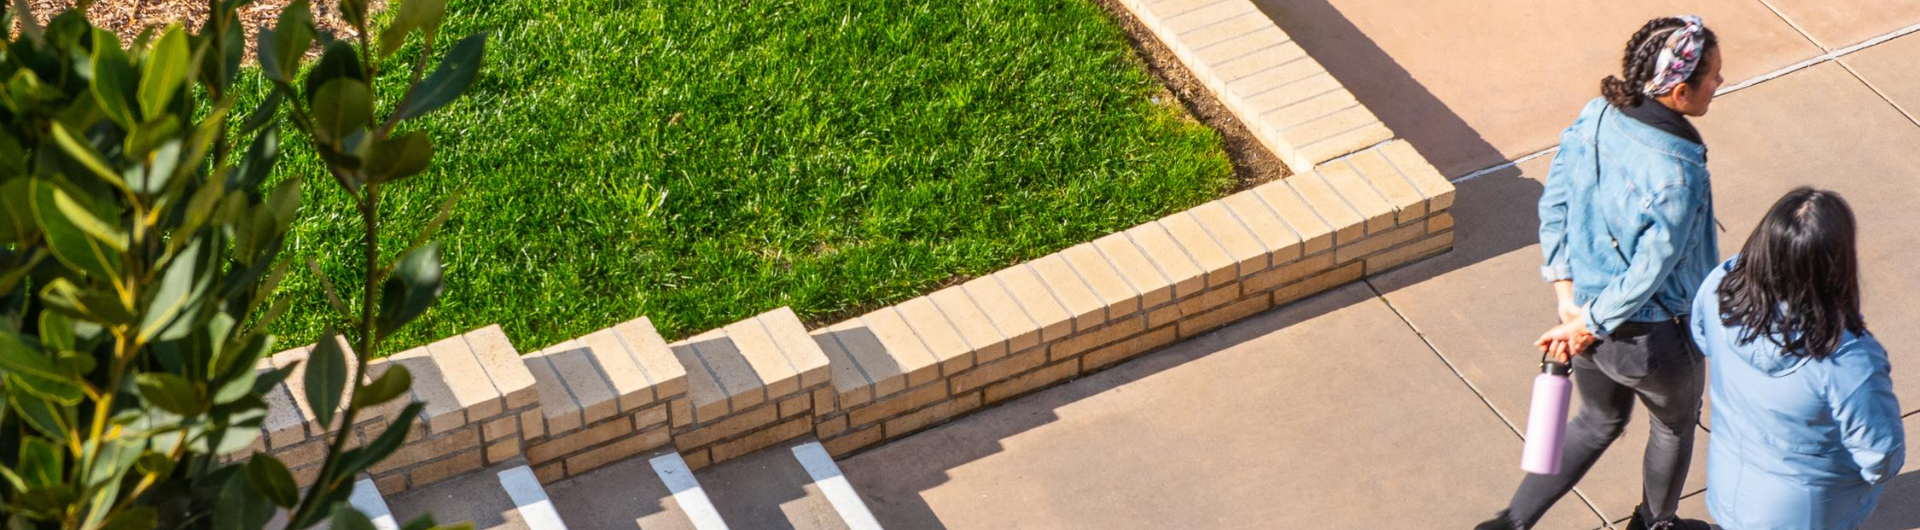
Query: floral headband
[{"x": 1678, "y": 57}]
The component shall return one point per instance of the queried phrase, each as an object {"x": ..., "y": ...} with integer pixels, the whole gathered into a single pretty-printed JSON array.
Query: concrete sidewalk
[{"x": 1396, "y": 403}]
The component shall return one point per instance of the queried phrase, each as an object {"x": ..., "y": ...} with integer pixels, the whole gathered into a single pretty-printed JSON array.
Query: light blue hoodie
[{"x": 1795, "y": 442}]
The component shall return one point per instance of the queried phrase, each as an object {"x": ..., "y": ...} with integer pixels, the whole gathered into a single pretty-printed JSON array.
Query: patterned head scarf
[{"x": 1679, "y": 56}]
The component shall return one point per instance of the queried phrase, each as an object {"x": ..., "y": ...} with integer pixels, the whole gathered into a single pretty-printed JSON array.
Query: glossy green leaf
[
  {"x": 360, "y": 458},
  {"x": 42, "y": 463},
  {"x": 345, "y": 517},
  {"x": 181, "y": 284},
  {"x": 281, "y": 47},
  {"x": 133, "y": 518},
  {"x": 44, "y": 416},
  {"x": 338, "y": 60},
  {"x": 326, "y": 377},
  {"x": 89, "y": 305},
  {"x": 424, "y": 15},
  {"x": 165, "y": 70},
  {"x": 114, "y": 81},
  {"x": 86, "y": 156},
  {"x": 241, "y": 506},
  {"x": 447, "y": 82},
  {"x": 75, "y": 233},
  {"x": 391, "y": 384},
  {"x": 16, "y": 211},
  {"x": 340, "y": 107},
  {"x": 274, "y": 481},
  {"x": 56, "y": 332},
  {"x": 423, "y": 522},
  {"x": 34, "y": 371},
  {"x": 258, "y": 161},
  {"x": 170, "y": 392},
  {"x": 414, "y": 286},
  {"x": 148, "y": 135},
  {"x": 400, "y": 157}
]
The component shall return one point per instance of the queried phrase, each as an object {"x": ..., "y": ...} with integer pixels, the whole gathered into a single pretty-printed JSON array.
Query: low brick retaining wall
[{"x": 1359, "y": 203}]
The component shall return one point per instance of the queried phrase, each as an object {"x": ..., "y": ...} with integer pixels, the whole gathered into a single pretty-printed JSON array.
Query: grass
[{"x": 701, "y": 161}]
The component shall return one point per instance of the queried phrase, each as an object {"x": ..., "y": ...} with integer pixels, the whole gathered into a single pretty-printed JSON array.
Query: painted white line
[
  {"x": 827, "y": 476},
  {"x": 366, "y": 498},
  {"x": 686, "y": 491},
  {"x": 530, "y": 499}
]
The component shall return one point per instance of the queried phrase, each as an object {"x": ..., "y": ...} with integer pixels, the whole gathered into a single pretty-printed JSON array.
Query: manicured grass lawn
[{"x": 700, "y": 161}]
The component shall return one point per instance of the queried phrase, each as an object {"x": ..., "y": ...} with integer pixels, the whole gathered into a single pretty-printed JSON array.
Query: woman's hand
[
  {"x": 1566, "y": 340},
  {"x": 1569, "y": 311}
]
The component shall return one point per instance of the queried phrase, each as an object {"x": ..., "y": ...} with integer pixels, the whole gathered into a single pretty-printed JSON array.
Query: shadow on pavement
[{"x": 1899, "y": 503}]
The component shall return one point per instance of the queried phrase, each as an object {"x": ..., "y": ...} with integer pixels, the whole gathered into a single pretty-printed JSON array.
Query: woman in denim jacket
[
  {"x": 1626, "y": 227},
  {"x": 1806, "y": 429}
]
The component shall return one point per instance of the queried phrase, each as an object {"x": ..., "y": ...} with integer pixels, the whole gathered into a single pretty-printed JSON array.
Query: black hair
[
  {"x": 1643, "y": 54},
  {"x": 1798, "y": 279}
]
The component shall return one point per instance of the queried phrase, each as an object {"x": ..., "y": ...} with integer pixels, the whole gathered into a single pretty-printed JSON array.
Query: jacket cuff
[
  {"x": 1554, "y": 273},
  {"x": 1593, "y": 326}
]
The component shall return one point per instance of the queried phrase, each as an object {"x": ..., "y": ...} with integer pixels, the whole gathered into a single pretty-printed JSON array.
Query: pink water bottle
[{"x": 1547, "y": 419}]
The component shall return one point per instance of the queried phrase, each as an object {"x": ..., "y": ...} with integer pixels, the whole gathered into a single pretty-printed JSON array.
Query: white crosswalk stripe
[
  {"x": 827, "y": 477},
  {"x": 530, "y": 499},
  {"x": 686, "y": 491}
]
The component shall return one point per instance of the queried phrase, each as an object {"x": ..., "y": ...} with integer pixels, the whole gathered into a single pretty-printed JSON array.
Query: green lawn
[{"x": 700, "y": 161}]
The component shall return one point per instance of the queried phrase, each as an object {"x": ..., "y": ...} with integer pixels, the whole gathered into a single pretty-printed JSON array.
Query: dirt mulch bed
[{"x": 127, "y": 18}]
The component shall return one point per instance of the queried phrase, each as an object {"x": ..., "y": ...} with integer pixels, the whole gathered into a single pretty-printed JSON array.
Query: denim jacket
[{"x": 1650, "y": 190}]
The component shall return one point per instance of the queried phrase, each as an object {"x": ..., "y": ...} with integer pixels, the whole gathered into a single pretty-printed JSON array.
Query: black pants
[{"x": 1654, "y": 362}]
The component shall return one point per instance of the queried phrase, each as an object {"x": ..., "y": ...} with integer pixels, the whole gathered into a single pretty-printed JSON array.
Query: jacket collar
[{"x": 1650, "y": 137}]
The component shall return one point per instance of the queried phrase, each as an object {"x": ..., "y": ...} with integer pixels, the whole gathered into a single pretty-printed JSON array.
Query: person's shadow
[{"x": 1899, "y": 504}]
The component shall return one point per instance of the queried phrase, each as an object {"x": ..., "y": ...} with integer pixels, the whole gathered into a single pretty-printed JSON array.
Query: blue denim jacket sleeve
[
  {"x": 1669, "y": 216},
  {"x": 1869, "y": 419},
  {"x": 1553, "y": 208}
]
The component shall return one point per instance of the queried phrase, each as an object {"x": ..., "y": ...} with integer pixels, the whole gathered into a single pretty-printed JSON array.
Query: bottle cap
[{"x": 1556, "y": 368}]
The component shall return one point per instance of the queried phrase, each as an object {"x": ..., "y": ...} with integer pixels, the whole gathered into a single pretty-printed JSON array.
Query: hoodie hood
[{"x": 1764, "y": 353}]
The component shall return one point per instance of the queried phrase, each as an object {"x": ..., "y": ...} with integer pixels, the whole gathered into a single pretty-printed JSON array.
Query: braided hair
[{"x": 1642, "y": 55}]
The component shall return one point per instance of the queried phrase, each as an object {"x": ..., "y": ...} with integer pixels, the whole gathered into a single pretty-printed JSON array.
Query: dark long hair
[
  {"x": 1643, "y": 54},
  {"x": 1798, "y": 280}
]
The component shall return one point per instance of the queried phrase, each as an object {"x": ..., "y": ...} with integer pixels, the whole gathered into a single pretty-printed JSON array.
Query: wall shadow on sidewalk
[{"x": 1900, "y": 502}]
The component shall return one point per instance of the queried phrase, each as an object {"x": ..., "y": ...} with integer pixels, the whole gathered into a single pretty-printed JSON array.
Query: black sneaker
[
  {"x": 1498, "y": 522},
  {"x": 1675, "y": 523}
]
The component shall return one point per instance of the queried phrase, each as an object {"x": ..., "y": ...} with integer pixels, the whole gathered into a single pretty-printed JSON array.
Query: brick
[
  {"x": 1207, "y": 16},
  {"x": 591, "y": 436},
  {"x": 573, "y": 362},
  {"x": 1248, "y": 253},
  {"x": 1030, "y": 381},
  {"x": 1278, "y": 96},
  {"x": 830, "y": 427},
  {"x": 1070, "y": 289},
  {"x": 464, "y": 376},
  {"x": 429, "y": 449},
  {"x": 631, "y": 387},
  {"x": 650, "y": 416},
  {"x": 388, "y": 412},
  {"x": 1315, "y": 233},
  {"x": 1288, "y": 273},
  {"x": 502, "y": 365},
  {"x": 392, "y": 484},
  {"x": 1113, "y": 290},
  {"x": 654, "y": 357},
  {"x": 763, "y": 357},
  {"x": 937, "y": 334},
  {"x": 1308, "y": 112},
  {"x": 284, "y": 426},
  {"x": 902, "y": 345},
  {"x": 445, "y": 468},
  {"x": 533, "y": 425},
  {"x": 943, "y": 411},
  {"x": 550, "y": 473},
  {"x": 1282, "y": 56},
  {"x": 762, "y": 439},
  {"x": 1406, "y": 200},
  {"x": 441, "y": 408},
  {"x": 796, "y": 405},
  {"x": 1221, "y": 268},
  {"x": 681, "y": 411},
  {"x": 801, "y": 352},
  {"x": 974, "y": 327},
  {"x": 730, "y": 369},
  {"x": 727, "y": 428},
  {"x": 1163, "y": 316},
  {"x": 847, "y": 443},
  {"x": 823, "y": 402},
  {"x": 1202, "y": 323},
  {"x": 1127, "y": 349},
  {"x": 1281, "y": 242},
  {"x": 501, "y": 427},
  {"x": 1207, "y": 301},
  {"x": 1327, "y": 280},
  {"x": 304, "y": 477},
  {"x": 616, "y": 451},
  {"x": 1349, "y": 224},
  {"x": 1008, "y": 316},
  {"x": 997, "y": 371},
  {"x": 883, "y": 409},
  {"x": 1361, "y": 195},
  {"x": 1432, "y": 185},
  {"x": 1378, "y": 242},
  {"x": 706, "y": 398},
  {"x": 559, "y": 412},
  {"x": 503, "y": 450},
  {"x": 1361, "y": 134},
  {"x": 1440, "y": 222},
  {"x": 306, "y": 453},
  {"x": 1096, "y": 338},
  {"x": 1409, "y": 253},
  {"x": 1135, "y": 269},
  {"x": 1286, "y": 63},
  {"x": 1026, "y": 288},
  {"x": 697, "y": 460},
  {"x": 1244, "y": 45},
  {"x": 850, "y": 377},
  {"x": 1172, "y": 261},
  {"x": 295, "y": 360}
]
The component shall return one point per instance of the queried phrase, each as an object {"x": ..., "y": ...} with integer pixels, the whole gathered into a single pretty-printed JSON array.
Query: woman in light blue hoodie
[{"x": 1806, "y": 429}]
